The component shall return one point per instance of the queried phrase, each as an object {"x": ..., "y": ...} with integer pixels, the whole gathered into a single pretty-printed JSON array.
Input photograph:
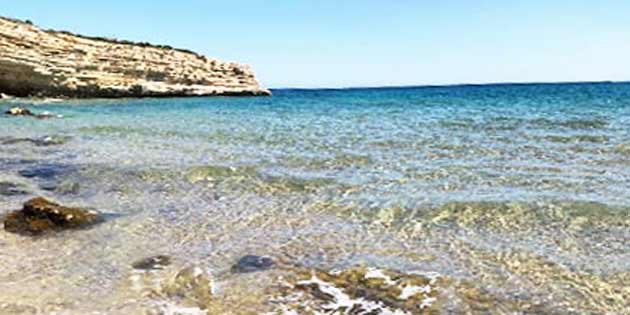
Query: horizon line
[{"x": 368, "y": 87}]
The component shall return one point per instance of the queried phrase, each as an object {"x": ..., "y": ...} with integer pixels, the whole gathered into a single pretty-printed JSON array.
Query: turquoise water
[{"x": 464, "y": 181}]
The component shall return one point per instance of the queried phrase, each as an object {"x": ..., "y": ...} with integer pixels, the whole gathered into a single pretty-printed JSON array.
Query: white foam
[
  {"x": 374, "y": 273},
  {"x": 343, "y": 301},
  {"x": 412, "y": 290},
  {"x": 168, "y": 308},
  {"x": 428, "y": 302}
]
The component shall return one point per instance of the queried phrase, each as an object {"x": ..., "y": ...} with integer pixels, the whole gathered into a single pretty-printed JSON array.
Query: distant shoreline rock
[
  {"x": 20, "y": 111},
  {"x": 46, "y": 63}
]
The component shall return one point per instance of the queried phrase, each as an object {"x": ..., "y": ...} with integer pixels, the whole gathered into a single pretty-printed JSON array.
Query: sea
[{"x": 504, "y": 199}]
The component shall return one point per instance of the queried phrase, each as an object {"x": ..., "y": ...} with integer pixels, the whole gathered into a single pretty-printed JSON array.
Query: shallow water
[{"x": 516, "y": 195}]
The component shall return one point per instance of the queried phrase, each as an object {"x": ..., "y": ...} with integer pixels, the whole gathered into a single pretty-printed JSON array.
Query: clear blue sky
[{"x": 340, "y": 43}]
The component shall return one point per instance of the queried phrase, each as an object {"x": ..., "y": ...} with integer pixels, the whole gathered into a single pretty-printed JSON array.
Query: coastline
[
  {"x": 44, "y": 63},
  {"x": 314, "y": 158}
]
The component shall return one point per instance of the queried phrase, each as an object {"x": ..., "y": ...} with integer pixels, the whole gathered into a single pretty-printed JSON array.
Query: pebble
[
  {"x": 152, "y": 263},
  {"x": 252, "y": 263}
]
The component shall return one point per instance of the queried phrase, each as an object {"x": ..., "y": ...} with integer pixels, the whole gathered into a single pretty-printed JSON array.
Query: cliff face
[{"x": 36, "y": 62}]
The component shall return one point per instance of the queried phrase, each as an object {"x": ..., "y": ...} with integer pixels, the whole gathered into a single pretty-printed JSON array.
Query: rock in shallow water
[
  {"x": 40, "y": 215},
  {"x": 17, "y": 309},
  {"x": 40, "y": 142},
  {"x": 152, "y": 263},
  {"x": 189, "y": 291},
  {"x": 252, "y": 263},
  {"x": 46, "y": 171},
  {"x": 192, "y": 285},
  {"x": 63, "y": 188},
  {"x": 11, "y": 189}
]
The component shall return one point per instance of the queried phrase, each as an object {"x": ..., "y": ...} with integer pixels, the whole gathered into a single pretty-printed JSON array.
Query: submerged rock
[
  {"x": 191, "y": 286},
  {"x": 252, "y": 263},
  {"x": 171, "y": 290},
  {"x": 17, "y": 309},
  {"x": 40, "y": 215},
  {"x": 11, "y": 189},
  {"x": 152, "y": 263},
  {"x": 62, "y": 188},
  {"x": 249, "y": 178},
  {"x": 40, "y": 142},
  {"x": 46, "y": 171}
]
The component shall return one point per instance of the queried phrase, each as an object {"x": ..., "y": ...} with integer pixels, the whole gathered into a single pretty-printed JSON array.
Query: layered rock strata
[{"x": 46, "y": 63}]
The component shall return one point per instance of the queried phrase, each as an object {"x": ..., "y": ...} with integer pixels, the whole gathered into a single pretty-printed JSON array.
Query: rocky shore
[{"x": 46, "y": 63}]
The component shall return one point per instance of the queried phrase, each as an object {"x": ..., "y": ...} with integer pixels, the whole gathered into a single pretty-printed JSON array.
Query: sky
[{"x": 348, "y": 43}]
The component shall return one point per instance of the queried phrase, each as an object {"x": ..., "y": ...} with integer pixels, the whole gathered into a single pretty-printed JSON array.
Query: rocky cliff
[{"x": 37, "y": 62}]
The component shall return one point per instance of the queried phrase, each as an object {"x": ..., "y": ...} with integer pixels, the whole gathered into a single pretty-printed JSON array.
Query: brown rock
[{"x": 40, "y": 215}]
